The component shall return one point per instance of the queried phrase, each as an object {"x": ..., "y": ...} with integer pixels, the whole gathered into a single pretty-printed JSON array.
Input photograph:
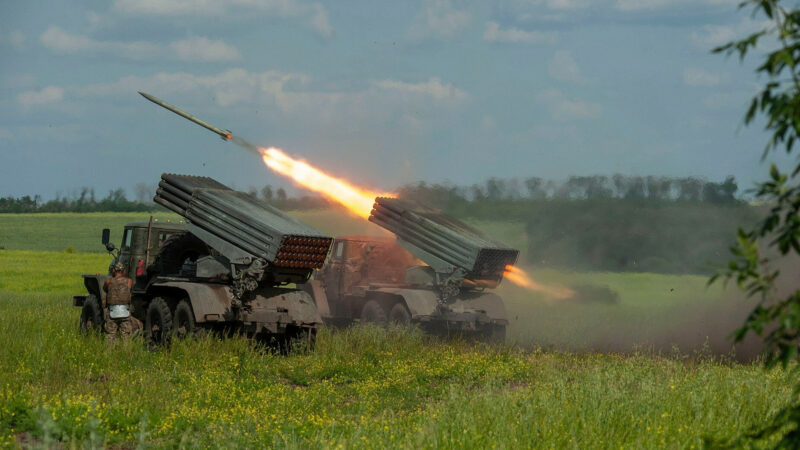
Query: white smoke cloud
[
  {"x": 197, "y": 49},
  {"x": 494, "y": 33},
  {"x": 47, "y": 95},
  {"x": 313, "y": 14}
]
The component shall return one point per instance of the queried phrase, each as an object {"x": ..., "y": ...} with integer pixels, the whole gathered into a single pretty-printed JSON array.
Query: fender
[
  {"x": 420, "y": 302},
  {"x": 315, "y": 289},
  {"x": 94, "y": 285},
  {"x": 423, "y": 302},
  {"x": 488, "y": 302},
  {"x": 275, "y": 308},
  {"x": 210, "y": 302}
]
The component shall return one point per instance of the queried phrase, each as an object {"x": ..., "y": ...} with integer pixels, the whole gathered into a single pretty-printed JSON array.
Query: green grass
[
  {"x": 60, "y": 231},
  {"x": 362, "y": 387},
  {"x": 81, "y": 231},
  {"x": 366, "y": 387}
]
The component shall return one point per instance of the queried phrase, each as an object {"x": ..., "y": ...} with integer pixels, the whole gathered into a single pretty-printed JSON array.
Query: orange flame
[
  {"x": 357, "y": 200},
  {"x": 522, "y": 279}
]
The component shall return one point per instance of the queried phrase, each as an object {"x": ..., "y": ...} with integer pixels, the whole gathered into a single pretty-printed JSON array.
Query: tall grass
[
  {"x": 365, "y": 387},
  {"x": 361, "y": 387}
]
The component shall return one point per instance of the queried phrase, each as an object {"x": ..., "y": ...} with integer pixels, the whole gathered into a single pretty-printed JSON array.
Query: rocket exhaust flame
[
  {"x": 360, "y": 201},
  {"x": 357, "y": 200},
  {"x": 522, "y": 279}
]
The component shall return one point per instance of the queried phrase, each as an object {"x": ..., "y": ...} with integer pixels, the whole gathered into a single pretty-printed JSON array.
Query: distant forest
[
  {"x": 618, "y": 223},
  {"x": 449, "y": 197},
  {"x": 615, "y": 224}
]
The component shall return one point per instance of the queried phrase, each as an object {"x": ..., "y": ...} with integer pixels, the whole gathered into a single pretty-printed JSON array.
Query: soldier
[{"x": 117, "y": 304}]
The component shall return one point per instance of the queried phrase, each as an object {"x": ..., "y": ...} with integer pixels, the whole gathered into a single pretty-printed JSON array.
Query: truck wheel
[
  {"x": 158, "y": 324},
  {"x": 495, "y": 334},
  {"x": 91, "y": 316},
  {"x": 399, "y": 314},
  {"x": 373, "y": 312},
  {"x": 183, "y": 320},
  {"x": 298, "y": 340}
]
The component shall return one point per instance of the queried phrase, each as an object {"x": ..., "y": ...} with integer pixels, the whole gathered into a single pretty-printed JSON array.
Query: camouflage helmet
[{"x": 118, "y": 267}]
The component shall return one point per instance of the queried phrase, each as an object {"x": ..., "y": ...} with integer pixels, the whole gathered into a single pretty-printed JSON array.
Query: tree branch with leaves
[{"x": 776, "y": 317}]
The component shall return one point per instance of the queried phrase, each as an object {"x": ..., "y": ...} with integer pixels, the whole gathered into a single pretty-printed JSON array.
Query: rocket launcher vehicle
[
  {"x": 453, "y": 249},
  {"x": 243, "y": 229}
]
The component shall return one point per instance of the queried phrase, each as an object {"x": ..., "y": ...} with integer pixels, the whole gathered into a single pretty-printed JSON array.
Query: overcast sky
[{"x": 382, "y": 93}]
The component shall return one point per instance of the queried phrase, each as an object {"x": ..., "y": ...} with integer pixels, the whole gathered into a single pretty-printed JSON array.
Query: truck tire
[
  {"x": 158, "y": 323},
  {"x": 298, "y": 340},
  {"x": 399, "y": 314},
  {"x": 183, "y": 320},
  {"x": 176, "y": 249},
  {"x": 495, "y": 334},
  {"x": 373, "y": 312},
  {"x": 91, "y": 316}
]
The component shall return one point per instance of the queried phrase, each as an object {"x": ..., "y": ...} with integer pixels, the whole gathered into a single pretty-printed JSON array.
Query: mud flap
[{"x": 317, "y": 292}]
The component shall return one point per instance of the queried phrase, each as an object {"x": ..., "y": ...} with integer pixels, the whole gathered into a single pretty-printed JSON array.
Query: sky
[{"x": 380, "y": 93}]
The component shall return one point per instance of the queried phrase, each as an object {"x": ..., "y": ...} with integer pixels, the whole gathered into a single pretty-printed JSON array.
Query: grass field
[
  {"x": 81, "y": 232},
  {"x": 368, "y": 387}
]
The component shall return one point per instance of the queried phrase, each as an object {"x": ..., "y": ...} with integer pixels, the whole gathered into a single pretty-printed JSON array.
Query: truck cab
[
  {"x": 374, "y": 279},
  {"x": 359, "y": 263},
  {"x": 134, "y": 251}
]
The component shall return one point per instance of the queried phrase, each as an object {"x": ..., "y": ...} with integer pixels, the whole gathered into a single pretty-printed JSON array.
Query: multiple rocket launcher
[{"x": 448, "y": 245}]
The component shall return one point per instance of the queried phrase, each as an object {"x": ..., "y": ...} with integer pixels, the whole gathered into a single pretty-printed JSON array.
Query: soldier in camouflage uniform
[{"x": 117, "y": 304}]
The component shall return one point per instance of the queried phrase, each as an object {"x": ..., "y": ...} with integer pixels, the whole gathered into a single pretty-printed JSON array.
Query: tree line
[
  {"x": 450, "y": 197},
  {"x": 84, "y": 200},
  {"x": 594, "y": 187}
]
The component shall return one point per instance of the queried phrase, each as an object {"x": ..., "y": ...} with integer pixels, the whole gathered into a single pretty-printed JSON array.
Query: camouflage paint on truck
[{"x": 226, "y": 267}]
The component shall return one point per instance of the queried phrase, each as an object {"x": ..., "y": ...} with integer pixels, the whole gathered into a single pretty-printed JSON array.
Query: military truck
[
  {"x": 435, "y": 273},
  {"x": 225, "y": 267}
]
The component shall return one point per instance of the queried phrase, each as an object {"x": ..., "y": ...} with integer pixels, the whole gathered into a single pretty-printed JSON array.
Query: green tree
[{"x": 776, "y": 318}]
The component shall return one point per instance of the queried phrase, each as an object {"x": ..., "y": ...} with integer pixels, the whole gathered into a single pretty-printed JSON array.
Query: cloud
[
  {"x": 17, "y": 39},
  {"x": 191, "y": 49},
  {"x": 433, "y": 88},
  {"x": 206, "y": 50},
  {"x": 693, "y": 76},
  {"x": 488, "y": 123},
  {"x": 643, "y": 5},
  {"x": 727, "y": 101},
  {"x": 439, "y": 19},
  {"x": 23, "y": 80},
  {"x": 50, "y": 94},
  {"x": 493, "y": 33},
  {"x": 710, "y": 36},
  {"x": 313, "y": 14},
  {"x": 566, "y": 10},
  {"x": 637, "y": 5},
  {"x": 564, "y": 5},
  {"x": 563, "y": 108},
  {"x": 293, "y": 96},
  {"x": 564, "y": 68}
]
